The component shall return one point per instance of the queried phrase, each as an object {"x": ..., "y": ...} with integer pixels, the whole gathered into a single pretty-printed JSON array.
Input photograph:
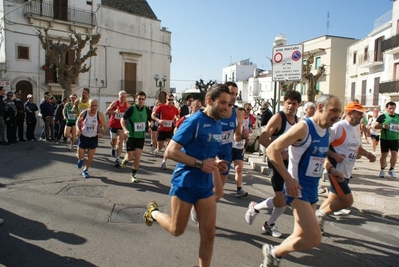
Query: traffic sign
[{"x": 287, "y": 63}]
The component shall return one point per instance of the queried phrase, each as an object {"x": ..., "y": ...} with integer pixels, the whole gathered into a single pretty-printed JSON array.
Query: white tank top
[{"x": 90, "y": 125}]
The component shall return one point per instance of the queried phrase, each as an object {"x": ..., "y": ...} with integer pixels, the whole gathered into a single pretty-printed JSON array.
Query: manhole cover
[
  {"x": 84, "y": 190},
  {"x": 128, "y": 214}
]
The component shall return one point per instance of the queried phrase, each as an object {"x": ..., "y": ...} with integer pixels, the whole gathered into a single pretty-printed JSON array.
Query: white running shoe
[
  {"x": 382, "y": 174},
  {"x": 152, "y": 149},
  {"x": 193, "y": 216},
  {"x": 342, "y": 212},
  {"x": 70, "y": 147},
  {"x": 320, "y": 220},
  {"x": 272, "y": 230},
  {"x": 269, "y": 260},
  {"x": 156, "y": 151},
  {"x": 392, "y": 173},
  {"x": 241, "y": 193},
  {"x": 251, "y": 213}
]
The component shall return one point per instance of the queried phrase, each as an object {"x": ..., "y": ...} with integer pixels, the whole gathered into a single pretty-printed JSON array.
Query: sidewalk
[{"x": 374, "y": 195}]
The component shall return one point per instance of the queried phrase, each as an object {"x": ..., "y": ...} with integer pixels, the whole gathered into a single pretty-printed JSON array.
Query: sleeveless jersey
[
  {"x": 345, "y": 139},
  {"x": 229, "y": 126},
  {"x": 373, "y": 130},
  {"x": 82, "y": 106},
  {"x": 115, "y": 119},
  {"x": 136, "y": 123},
  {"x": 90, "y": 125},
  {"x": 306, "y": 158},
  {"x": 392, "y": 133},
  {"x": 70, "y": 116},
  {"x": 285, "y": 126},
  {"x": 241, "y": 144}
]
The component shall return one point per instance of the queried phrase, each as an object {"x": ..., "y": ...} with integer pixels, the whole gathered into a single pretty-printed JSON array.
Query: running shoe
[
  {"x": 124, "y": 163},
  {"x": 342, "y": 212},
  {"x": 80, "y": 163},
  {"x": 193, "y": 216},
  {"x": 85, "y": 173},
  {"x": 163, "y": 166},
  {"x": 392, "y": 173},
  {"x": 320, "y": 220},
  {"x": 147, "y": 215},
  {"x": 152, "y": 149},
  {"x": 117, "y": 164},
  {"x": 134, "y": 178},
  {"x": 113, "y": 152},
  {"x": 269, "y": 260},
  {"x": 70, "y": 147},
  {"x": 272, "y": 230},
  {"x": 156, "y": 151},
  {"x": 251, "y": 213},
  {"x": 241, "y": 193},
  {"x": 382, "y": 174}
]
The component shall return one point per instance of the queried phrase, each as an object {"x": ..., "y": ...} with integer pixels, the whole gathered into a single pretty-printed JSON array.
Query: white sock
[
  {"x": 276, "y": 213},
  {"x": 154, "y": 214},
  {"x": 267, "y": 204},
  {"x": 320, "y": 213}
]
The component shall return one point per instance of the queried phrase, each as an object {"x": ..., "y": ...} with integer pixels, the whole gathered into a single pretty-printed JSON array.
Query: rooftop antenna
[{"x": 328, "y": 22}]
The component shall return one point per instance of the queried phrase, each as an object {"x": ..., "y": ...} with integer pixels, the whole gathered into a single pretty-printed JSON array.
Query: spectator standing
[
  {"x": 19, "y": 119},
  {"x": 186, "y": 108},
  {"x": 10, "y": 114},
  {"x": 47, "y": 111},
  {"x": 30, "y": 116},
  {"x": 2, "y": 114},
  {"x": 59, "y": 121}
]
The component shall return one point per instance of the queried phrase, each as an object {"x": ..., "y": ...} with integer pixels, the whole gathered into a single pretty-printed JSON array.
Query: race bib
[
  {"x": 167, "y": 124},
  {"x": 315, "y": 167},
  {"x": 139, "y": 126},
  {"x": 90, "y": 128},
  {"x": 227, "y": 137},
  {"x": 71, "y": 116},
  {"x": 393, "y": 127},
  {"x": 119, "y": 116}
]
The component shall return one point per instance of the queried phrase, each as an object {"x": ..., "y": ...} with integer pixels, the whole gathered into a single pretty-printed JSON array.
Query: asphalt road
[{"x": 53, "y": 217}]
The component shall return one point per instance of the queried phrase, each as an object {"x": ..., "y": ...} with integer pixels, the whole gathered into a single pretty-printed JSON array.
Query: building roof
[{"x": 137, "y": 7}]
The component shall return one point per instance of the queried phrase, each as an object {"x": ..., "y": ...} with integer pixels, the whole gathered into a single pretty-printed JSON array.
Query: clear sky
[{"x": 209, "y": 35}]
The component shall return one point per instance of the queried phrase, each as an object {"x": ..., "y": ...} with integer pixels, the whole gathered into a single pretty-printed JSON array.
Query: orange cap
[{"x": 354, "y": 106}]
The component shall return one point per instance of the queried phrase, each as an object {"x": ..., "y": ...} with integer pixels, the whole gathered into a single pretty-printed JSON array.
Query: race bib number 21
[{"x": 315, "y": 167}]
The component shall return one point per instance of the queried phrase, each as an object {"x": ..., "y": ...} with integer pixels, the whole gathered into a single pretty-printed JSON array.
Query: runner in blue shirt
[{"x": 195, "y": 146}]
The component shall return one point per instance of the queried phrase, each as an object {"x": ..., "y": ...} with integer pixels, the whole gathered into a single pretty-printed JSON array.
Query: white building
[
  {"x": 132, "y": 49},
  {"x": 373, "y": 64}
]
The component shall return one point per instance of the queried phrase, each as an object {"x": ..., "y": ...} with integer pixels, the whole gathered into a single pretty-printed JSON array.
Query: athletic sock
[
  {"x": 267, "y": 204},
  {"x": 238, "y": 188},
  {"x": 154, "y": 214},
  {"x": 275, "y": 215},
  {"x": 320, "y": 213},
  {"x": 134, "y": 171},
  {"x": 391, "y": 169}
]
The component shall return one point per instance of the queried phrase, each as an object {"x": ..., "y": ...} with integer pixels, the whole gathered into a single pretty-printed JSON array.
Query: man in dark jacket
[
  {"x": 2, "y": 113},
  {"x": 186, "y": 108},
  {"x": 59, "y": 122},
  {"x": 20, "y": 118},
  {"x": 30, "y": 113},
  {"x": 47, "y": 111},
  {"x": 9, "y": 118}
]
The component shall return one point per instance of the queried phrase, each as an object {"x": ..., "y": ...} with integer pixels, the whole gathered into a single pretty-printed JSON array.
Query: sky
[{"x": 209, "y": 35}]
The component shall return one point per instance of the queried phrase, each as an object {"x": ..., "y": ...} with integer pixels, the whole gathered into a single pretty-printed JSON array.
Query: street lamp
[
  {"x": 280, "y": 40},
  {"x": 160, "y": 84}
]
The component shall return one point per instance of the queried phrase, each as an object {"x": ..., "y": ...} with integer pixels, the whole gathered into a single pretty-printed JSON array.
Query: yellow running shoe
[{"x": 147, "y": 215}]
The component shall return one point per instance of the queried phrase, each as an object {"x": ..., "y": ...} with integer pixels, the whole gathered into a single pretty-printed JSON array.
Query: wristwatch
[{"x": 198, "y": 163}]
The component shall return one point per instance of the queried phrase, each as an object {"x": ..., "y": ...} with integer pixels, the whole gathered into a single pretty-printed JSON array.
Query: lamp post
[
  {"x": 280, "y": 40},
  {"x": 160, "y": 84}
]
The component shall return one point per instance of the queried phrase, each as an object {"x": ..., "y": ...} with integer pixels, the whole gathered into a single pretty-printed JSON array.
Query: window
[
  {"x": 317, "y": 63},
  {"x": 23, "y": 52},
  {"x": 366, "y": 52},
  {"x": 232, "y": 77},
  {"x": 354, "y": 57},
  {"x": 317, "y": 87}
]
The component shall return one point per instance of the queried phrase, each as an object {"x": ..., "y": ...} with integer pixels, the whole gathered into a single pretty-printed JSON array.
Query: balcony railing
[
  {"x": 48, "y": 10},
  {"x": 389, "y": 87},
  {"x": 371, "y": 58},
  {"x": 390, "y": 43}
]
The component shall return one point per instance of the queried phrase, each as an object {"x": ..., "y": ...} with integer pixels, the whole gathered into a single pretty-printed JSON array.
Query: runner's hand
[
  {"x": 209, "y": 165},
  {"x": 337, "y": 175},
  {"x": 222, "y": 165},
  {"x": 292, "y": 187},
  {"x": 339, "y": 157}
]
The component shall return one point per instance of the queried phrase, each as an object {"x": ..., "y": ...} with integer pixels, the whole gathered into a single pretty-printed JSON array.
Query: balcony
[
  {"x": 391, "y": 45},
  {"x": 389, "y": 87},
  {"x": 50, "y": 12},
  {"x": 371, "y": 59}
]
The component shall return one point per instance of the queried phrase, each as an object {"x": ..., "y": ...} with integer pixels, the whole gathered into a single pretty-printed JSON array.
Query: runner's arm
[{"x": 271, "y": 127}]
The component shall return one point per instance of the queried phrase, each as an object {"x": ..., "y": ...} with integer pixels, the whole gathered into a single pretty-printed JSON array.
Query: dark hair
[
  {"x": 241, "y": 108},
  {"x": 390, "y": 103},
  {"x": 216, "y": 90},
  {"x": 46, "y": 93},
  {"x": 230, "y": 84},
  {"x": 355, "y": 100},
  {"x": 65, "y": 98},
  {"x": 142, "y": 93},
  {"x": 188, "y": 97},
  {"x": 59, "y": 102},
  {"x": 294, "y": 95},
  {"x": 86, "y": 89},
  {"x": 171, "y": 95}
]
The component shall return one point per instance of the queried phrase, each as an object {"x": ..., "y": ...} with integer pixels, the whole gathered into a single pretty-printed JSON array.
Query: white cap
[
  {"x": 308, "y": 105},
  {"x": 29, "y": 96}
]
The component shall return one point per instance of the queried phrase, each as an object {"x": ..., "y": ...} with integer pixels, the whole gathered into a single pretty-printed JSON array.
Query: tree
[
  {"x": 56, "y": 53},
  {"x": 310, "y": 78},
  {"x": 204, "y": 87}
]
